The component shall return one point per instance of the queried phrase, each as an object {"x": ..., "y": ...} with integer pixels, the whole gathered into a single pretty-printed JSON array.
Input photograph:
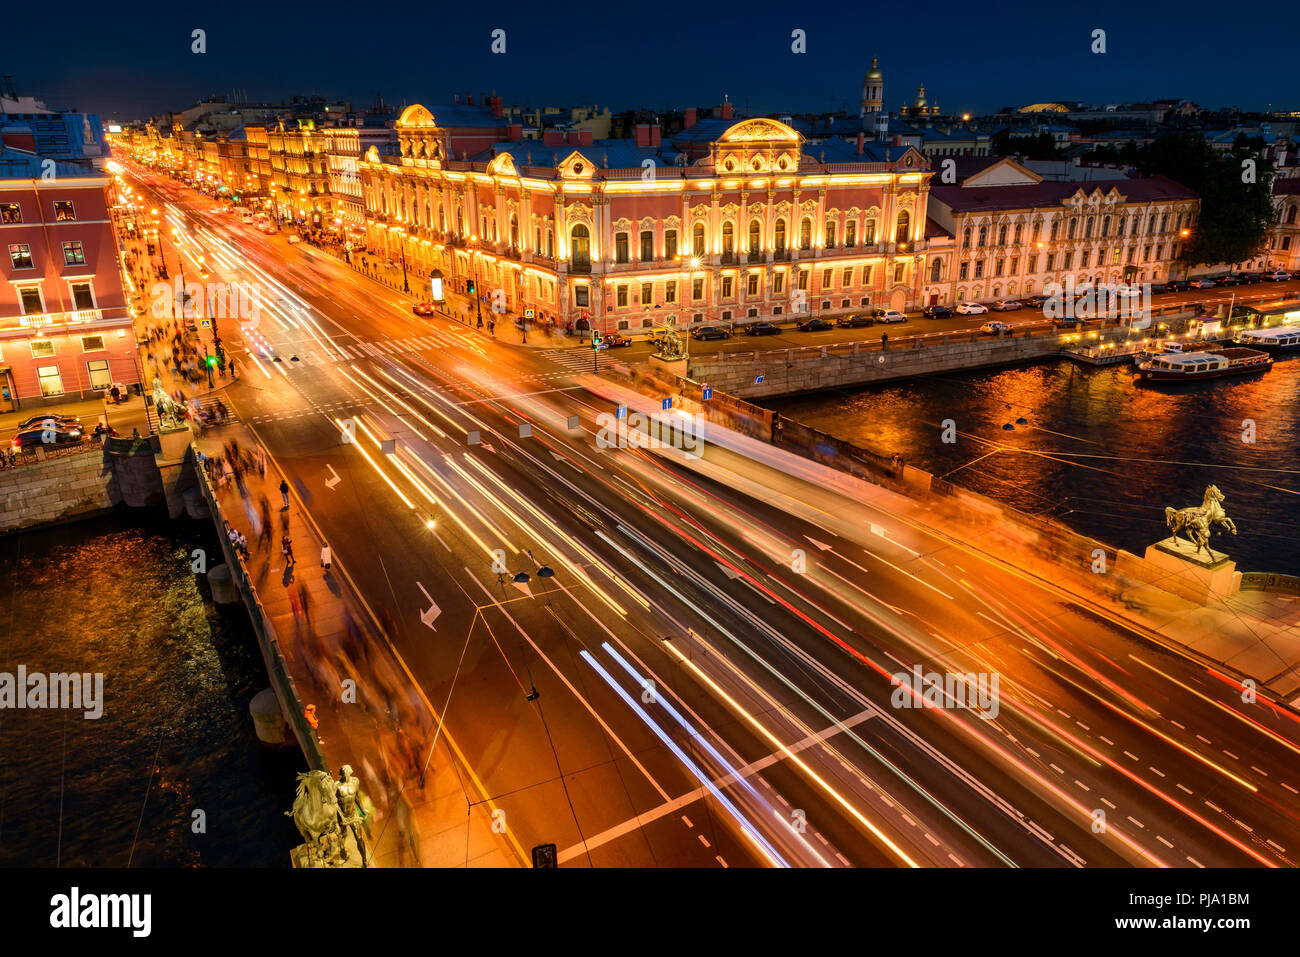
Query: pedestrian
[
  {"x": 492, "y": 328},
  {"x": 884, "y": 340},
  {"x": 233, "y": 374},
  {"x": 286, "y": 546},
  {"x": 284, "y": 491},
  {"x": 325, "y": 557}
]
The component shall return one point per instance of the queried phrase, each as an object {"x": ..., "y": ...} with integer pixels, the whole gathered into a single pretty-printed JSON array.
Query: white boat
[{"x": 1279, "y": 338}]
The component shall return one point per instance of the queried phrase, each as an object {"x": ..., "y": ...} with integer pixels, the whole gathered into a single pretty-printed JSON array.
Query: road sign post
[{"x": 595, "y": 351}]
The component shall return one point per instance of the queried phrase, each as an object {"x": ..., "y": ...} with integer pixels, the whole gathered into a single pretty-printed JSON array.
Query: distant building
[{"x": 28, "y": 124}]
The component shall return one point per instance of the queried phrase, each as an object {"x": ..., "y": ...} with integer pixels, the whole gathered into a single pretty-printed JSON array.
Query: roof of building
[
  {"x": 21, "y": 164},
  {"x": 933, "y": 229},
  {"x": 1048, "y": 193},
  {"x": 608, "y": 154},
  {"x": 462, "y": 116},
  {"x": 1286, "y": 187},
  {"x": 837, "y": 150}
]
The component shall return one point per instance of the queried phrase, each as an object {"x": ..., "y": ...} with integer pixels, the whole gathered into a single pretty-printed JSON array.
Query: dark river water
[
  {"x": 115, "y": 595},
  {"x": 1101, "y": 453}
]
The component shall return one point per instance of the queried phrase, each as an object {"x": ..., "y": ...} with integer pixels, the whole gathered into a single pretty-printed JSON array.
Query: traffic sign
[
  {"x": 205, "y": 323},
  {"x": 708, "y": 393},
  {"x": 668, "y": 402},
  {"x": 758, "y": 379},
  {"x": 528, "y": 314}
]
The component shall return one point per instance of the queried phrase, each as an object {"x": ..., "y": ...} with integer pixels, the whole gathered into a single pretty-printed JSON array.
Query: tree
[
  {"x": 1039, "y": 147},
  {"x": 1236, "y": 198}
]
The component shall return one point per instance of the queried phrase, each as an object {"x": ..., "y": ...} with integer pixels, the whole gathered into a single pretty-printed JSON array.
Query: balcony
[
  {"x": 727, "y": 259},
  {"x": 781, "y": 256},
  {"x": 580, "y": 266}
]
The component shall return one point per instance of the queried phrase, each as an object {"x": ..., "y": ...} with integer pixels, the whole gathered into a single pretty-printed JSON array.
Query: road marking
[
  {"x": 1231, "y": 755},
  {"x": 704, "y": 840},
  {"x": 1108, "y": 804},
  {"x": 720, "y": 860},
  {"x": 1082, "y": 785},
  {"x": 1157, "y": 770},
  {"x": 1107, "y": 740},
  {"x": 1196, "y": 862},
  {"x": 1131, "y": 755},
  {"x": 1260, "y": 770},
  {"x": 687, "y": 821},
  {"x": 1288, "y": 787},
  {"x": 1275, "y": 844},
  {"x": 1164, "y": 842},
  {"x": 1201, "y": 737},
  {"x": 1187, "y": 789},
  {"x": 1136, "y": 821}
]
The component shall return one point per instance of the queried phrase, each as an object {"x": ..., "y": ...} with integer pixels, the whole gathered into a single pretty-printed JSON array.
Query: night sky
[{"x": 972, "y": 57}]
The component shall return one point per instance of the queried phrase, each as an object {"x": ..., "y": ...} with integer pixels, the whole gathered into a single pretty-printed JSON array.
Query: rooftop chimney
[
  {"x": 643, "y": 134},
  {"x": 728, "y": 109},
  {"x": 689, "y": 118},
  {"x": 862, "y": 139},
  {"x": 495, "y": 103}
]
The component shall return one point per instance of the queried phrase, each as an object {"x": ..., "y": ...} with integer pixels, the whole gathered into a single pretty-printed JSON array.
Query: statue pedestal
[
  {"x": 675, "y": 366},
  {"x": 1175, "y": 565},
  {"x": 299, "y": 857},
  {"x": 175, "y": 442}
]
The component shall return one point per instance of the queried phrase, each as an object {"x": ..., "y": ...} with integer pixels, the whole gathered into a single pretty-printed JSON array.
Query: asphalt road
[{"x": 705, "y": 678}]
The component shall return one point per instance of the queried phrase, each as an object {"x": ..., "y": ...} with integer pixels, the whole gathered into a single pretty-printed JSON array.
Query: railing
[
  {"x": 580, "y": 267},
  {"x": 1268, "y": 581}
]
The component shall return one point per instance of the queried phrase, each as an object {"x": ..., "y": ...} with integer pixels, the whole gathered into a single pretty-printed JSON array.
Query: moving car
[
  {"x": 423, "y": 309},
  {"x": 891, "y": 315},
  {"x": 995, "y": 328},
  {"x": 295, "y": 238},
  {"x": 971, "y": 309},
  {"x": 814, "y": 325},
  {"x": 53, "y": 435},
  {"x": 615, "y": 340},
  {"x": 762, "y": 329},
  {"x": 1202, "y": 284},
  {"x": 1006, "y": 305},
  {"x": 63, "y": 421},
  {"x": 705, "y": 333},
  {"x": 937, "y": 312},
  {"x": 855, "y": 321}
]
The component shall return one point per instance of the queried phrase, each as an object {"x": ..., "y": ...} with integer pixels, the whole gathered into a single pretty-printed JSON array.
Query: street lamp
[
  {"x": 406, "y": 287},
  {"x": 478, "y": 299}
]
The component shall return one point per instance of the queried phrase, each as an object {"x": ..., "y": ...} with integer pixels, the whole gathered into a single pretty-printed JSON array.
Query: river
[
  {"x": 116, "y": 595},
  {"x": 1098, "y": 451}
]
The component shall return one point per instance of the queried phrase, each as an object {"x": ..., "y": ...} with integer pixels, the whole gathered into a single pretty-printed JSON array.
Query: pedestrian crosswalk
[
  {"x": 336, "y": 351},
  {"x": 575, "y": 360}
]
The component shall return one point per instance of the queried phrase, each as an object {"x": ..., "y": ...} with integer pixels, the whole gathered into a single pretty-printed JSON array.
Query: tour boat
[
  {"x": 1279, "y": 338},
  {"x": 1209, "y": 364}
]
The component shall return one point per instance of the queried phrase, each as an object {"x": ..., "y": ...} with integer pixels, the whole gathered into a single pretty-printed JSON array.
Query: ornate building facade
[{"x": 754, "y": 229}]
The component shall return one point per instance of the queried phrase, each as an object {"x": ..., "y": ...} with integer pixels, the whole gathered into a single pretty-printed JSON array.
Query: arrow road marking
[
  {"x": 433, "y": 611},
  {"x": 331, "y": 482}
]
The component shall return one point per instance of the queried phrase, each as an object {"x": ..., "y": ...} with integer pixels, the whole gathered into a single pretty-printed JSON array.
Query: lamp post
[
  {"x": 402, "y": 230},
  {"x": 478, "y": 298}
]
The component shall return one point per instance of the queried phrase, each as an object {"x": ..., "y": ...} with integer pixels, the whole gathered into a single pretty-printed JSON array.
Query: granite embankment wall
[{"x": 74, "y": 483}]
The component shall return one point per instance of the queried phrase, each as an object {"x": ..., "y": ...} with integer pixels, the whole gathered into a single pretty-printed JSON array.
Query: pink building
[{"x": 65, "y": 327}]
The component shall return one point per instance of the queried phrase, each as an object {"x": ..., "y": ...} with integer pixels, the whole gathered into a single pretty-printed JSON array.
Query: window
[
  {"x": 830, "y": 235},
  {"x": 697, "y": 289},
  {"x": 726, "y": 315},
  {"x": 11, "y": 213},
  {"x": 751, "y": 285},
  {"x": 803, "y": 279},
  {"x": 670, "y": 290},
  {"x": 1073, "y": 228},
  {"x": 869, "y": 233},
  {"x": 647, "y": 293},
  {"x": 850, "y": 234},
  {"x": 582, "y": 296},
  {"x": 965, "y": 241},
  {"x": 936, "y": 270},
  {"x": 1019, "y": 228},
  {"x": 670, "y": 244},
  {"x": 1051, "y": 260},
  {"x": 1056, "y": 229},
  {"x": 755, "y": 234},
  {"x": 620, "y": 248},
  {"x": 1105, "y": 226},
  {"x": 1290, "y": 215},
  {"x": 1033, "y": 264},
  {"x": 99, "y": 374},
  {"x": 73, "y": 254},
  {"x": 1087, "y": 228},
  {"x": 727, "y": 286},
  {"x": 1132, "y": 252},
  {"x": 728, "y": 239},
  {"x": 647, "y": 245},
  {"x": 805, "y": 231},
  {"x": 753, "y": 313},
  {"x": 1115, "y": 260},
  {"x": 63, "y": 211},
  {"x": 42, "y": 348},
  {"x": 1286, "y": 243},
  {"x": 997, "y": 266},
  {"x": 1002, "y": 235},
  {"x": 904, "y": 227},
  {"x": 21, "y": 255},
  {"x": 51, "y": 381},
  {"x": 979, "y": 269},
  {"x": 1160, "y": 251},
  {"x": 778, "y": 284},
  {"x": 866, "y": 275},
  {"x": 92, "y": 343},
  {"x": 697, "y": 239},
  {"x": 621, "y": 294},
  {"x": 963, "y": 271},
  {"x": 1069, "y": 257},
  {"x": 848, "y": 276},
  {"x": 778, "y": 236},
  {"x": 1015, "y": 265},
  {"x": 898, "y": 271},
  {"x": 514, "y": 227},
  {"x": 30, "y": 297},
  {"x": 1083, "y": 259},
  {"x": 984, "y": 235},
  {"x": 580, "y": 247},
  {"x": 827, "y": 278}
]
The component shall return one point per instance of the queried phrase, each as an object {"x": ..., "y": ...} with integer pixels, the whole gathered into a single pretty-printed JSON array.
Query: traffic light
[
  {"x": 469, "y": 286},
  {"x": 212, "y": 361}
]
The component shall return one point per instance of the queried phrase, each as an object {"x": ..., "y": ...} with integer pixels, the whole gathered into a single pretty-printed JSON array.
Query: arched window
[
  {"x": 904, "y": 227},
  {"x": 1087, "y": 228},
  {"x": 1073, "y": 229},
  {"x": 755, "y": 232},
  {"x": 1105, "y": 226},
  {"x": 697, "y": 239},
  {"x": 805, "y": 233},
  {"x": 728, "y": 238},
  {"x": 778, "y": 236},
  {"x": 830, "y": 234},
  {"x": 514, "y": 231},
  {"x": 984, "y": 236},
  {"x": 1019, "y": 232},
  {"x": 936, "y": 270},
  {"x": 1290, "y": 215},
  {"x": 1002, "y": 236},
  {"x": 442, "y": 219},
  {"x": 965, "y": 236},
  {"x": 1056, "y": 229},
  {"x": 869, "y": 233},
  {"x": 580, "y": 246}
]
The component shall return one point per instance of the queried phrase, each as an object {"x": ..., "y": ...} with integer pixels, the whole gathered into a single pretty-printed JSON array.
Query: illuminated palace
[{"x": 730, "y": 221}]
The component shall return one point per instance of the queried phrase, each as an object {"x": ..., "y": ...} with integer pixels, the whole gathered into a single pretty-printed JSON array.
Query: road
[{"x": 705, "y": 678}]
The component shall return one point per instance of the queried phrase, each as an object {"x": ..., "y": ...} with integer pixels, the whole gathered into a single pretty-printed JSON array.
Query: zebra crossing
[
  {"x": 373, "y": 349},
  {"x": 575, "y": 360}
]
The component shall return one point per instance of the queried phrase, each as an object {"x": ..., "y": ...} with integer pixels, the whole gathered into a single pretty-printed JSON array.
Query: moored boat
[
  {"x": 1207, "y": 364},
  {"x": 1275, "y": 339}
]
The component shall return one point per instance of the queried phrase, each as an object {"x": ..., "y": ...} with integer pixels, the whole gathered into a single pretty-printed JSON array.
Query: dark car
[
  {"x": 855, "y": 321},
  {"x": 1250, "y": 278},
  {"x": 937, "y": 312},
  {"x": 423, "y": 309},
  {"x": 52, "y": 435},
  {"x": 1158, "y": 287},
  {"x": 762, "y": 329},
  {"x": 710, "y": 332},
  {"x": 1176, "y": 285},
  {"x": 814, "y": 325},
  {"x": 1229, "y": 280},
  {"x": 615, "y": 341},
  {"x": 1034, "y": 302},
  {"x": 61, "y": 421}
]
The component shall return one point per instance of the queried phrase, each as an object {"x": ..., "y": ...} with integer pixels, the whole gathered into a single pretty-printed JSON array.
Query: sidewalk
[{"x": 428, "y": 810}]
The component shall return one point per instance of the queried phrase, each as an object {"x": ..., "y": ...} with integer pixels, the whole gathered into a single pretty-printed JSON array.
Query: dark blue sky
[{"x": 626, "y": 53}]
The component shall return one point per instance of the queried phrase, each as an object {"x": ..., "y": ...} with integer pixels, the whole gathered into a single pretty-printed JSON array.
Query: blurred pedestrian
[
  {"x": 325, "y": 557},
  {"x": 286, "y": 546},
  {"x": 284, "y": 491}
]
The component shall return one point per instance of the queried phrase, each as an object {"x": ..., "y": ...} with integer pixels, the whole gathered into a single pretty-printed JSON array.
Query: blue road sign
[
  {"x": 758, "y": 379},
  {"x": 668, "y": 403},
  {"x": 621, "y": 412},
  {"x": 528, "y": 313},
  {"x": 708, "y": 393},
  {"x": 205, "y": 323}
]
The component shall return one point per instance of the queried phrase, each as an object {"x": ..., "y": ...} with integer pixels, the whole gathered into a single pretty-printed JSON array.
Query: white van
[{"x": 246, "y": 217}]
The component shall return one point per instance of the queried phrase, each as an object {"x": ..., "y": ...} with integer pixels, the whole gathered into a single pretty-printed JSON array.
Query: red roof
[
  {"x": 933, "y": 229},
  {"x": 1036, "y": 195}
]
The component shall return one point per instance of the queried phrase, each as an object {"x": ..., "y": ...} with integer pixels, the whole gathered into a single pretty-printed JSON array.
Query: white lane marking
[
  {"x": 1288, "y": 787},
  {"x": 1164, "y": 842},
  {"x": 1260, "y": 770},
  {"x": 1187, "y": 789},
  {"x": 704, "y": 840},
  {"x": 1131, "y": 755},
  {"x": 687, "y": 821},
  {"x": 1158, "y": 771},
  {"x": 1108, "y": 804},
  {"x": 1231, "y": 755},
  {"x": 1196, "y": 862},
  {"x": 721, "y": 861},
  {"x": 1136, "y": 821},
  {"x": 1107, "y": 740}
]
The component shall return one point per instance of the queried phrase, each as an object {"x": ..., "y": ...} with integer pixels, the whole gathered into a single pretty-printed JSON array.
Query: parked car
[
  {"x": 423, "y": 309},
  {"x": 1250, "y": 278},
  {"x": 1006, "y": 305},
  {"x": 1227, "y": 280},
  {"x": 615, "y": 340},
  {"x": 1202, "y": 283},
  {"x": 995, "y": 328},
  {"x": 1278, "y": 275},
  {"x": 1177, "y": 285},
  {"x": 814, "y": 325},
  {"x": 971, "y": 309},
  {"x": 710, "y": 332},
  {"x": 1034, "y": 302},
  {"x": 1158, "y": 287},
  {"x": 937, "y": 312},
  {"x": 38, "y": 421},
  {"x": 51, "y": 435},
  {"x": 762, "y": 329},
  {"x": 891, "y": 315},
  {"x": 854, "y": 321}
]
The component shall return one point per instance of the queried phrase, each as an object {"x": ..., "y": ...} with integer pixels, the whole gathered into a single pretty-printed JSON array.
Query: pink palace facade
[{"x": 734, "y": 223}]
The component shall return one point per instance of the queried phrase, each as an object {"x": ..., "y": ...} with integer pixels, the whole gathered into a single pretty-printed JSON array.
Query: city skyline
[{"x": 434, "y": 56}]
